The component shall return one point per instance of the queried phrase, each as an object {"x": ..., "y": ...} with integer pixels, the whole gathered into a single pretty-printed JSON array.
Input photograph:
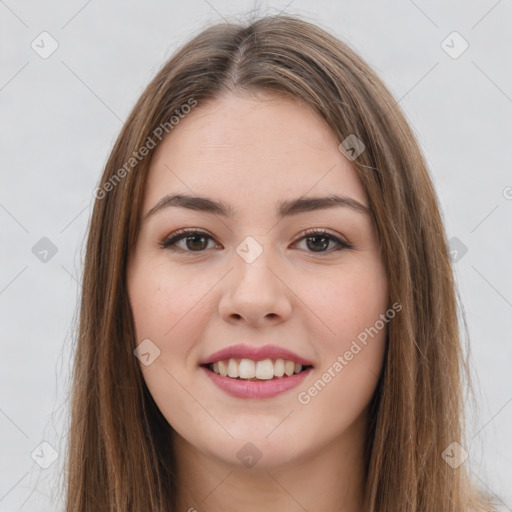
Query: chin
[{"x": 258, "y": 454}]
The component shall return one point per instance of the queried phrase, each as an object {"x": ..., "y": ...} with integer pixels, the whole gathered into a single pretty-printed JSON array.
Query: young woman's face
[{"x": 259, "y": 278}]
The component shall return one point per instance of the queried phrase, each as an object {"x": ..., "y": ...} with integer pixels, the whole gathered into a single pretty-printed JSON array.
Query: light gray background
[{"x": 58, "y": 120}]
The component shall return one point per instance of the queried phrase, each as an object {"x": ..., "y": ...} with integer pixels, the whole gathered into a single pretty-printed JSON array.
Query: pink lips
[
  {"x": 256, "y": 354},
  {"x": 242, "y": 388},
  {"x": 256, "y": 389}
]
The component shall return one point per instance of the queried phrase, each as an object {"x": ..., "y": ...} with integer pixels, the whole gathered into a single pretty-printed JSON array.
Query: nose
[{"x": 255, "y": 293}]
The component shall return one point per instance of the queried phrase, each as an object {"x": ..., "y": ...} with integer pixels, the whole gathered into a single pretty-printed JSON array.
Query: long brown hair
[{"x": 119, "y": 456}]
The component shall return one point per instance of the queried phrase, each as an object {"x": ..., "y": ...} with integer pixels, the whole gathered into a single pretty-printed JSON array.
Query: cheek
[
  {"x": 351, "y": 361},
  {"x": 345, "y": 303},
  {"x": 171, "y": 308},
  {"x": 350, "y": 338},
  {"x": 166, "y": 303}
]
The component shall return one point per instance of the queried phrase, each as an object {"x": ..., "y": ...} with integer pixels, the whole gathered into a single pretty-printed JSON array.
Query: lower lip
[{"x": 256, "y": 389}]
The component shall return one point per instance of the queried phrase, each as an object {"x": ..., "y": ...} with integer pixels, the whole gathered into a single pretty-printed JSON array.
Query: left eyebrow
[
  {"x": 284, "y": 208},
  {"x": 309, "y": 204}
]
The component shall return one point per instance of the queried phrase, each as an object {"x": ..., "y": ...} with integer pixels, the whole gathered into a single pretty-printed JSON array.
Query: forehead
[{"x": 250, "y": 151}]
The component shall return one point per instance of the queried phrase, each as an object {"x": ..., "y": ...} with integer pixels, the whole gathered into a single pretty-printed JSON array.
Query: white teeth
[
  {"x": 279, "y": 368},
  {"x": 266, "y": 369},
  {"x": 289, "y": 368},
  {"x": 232, "y": 369},
  {"x": 246, "y": 369},
  {"x": 223, "y": 369}
]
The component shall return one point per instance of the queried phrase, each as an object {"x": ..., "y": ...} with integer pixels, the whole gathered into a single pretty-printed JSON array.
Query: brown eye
[
  {"x": 194, "y": 241},
  {"x": 318, "y": 242}
]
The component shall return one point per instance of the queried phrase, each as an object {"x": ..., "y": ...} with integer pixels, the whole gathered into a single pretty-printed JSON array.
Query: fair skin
[{"x": 252, "y": 152}]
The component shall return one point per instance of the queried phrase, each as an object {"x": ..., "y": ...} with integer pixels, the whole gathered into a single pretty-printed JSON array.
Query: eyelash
[{"x": 169, "y": 242}]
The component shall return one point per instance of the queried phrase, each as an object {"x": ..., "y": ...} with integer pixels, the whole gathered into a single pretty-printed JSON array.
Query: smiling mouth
[{"x": 250, "y": 370}]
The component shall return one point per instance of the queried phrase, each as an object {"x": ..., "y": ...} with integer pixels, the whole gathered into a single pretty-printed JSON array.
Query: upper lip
[{"x": 256, "y": 354}]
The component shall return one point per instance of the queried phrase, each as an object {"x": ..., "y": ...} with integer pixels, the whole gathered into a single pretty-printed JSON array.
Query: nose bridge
[
  {"x": 254, "y": 290},
  {"x": 253, "y": 262},
  {"x": 250, "y": 250}
]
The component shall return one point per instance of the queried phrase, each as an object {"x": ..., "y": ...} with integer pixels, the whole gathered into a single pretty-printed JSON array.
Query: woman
[{"x": 268, "y": 314}]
